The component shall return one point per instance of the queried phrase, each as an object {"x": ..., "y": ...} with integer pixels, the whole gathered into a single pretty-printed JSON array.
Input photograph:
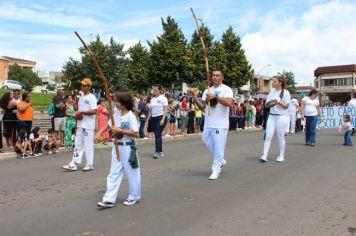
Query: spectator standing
[
  {"x": 198, "y": 117},
  {"x": 352, "y": 103},
  {"x": 102, "y": 115},
  {"x": 143, "y": 114},
  {"x": 9, "y": 118},
  {"x": 25, "y": 113},
  {"x": 16, "y": 98},
  {"x": 59, "y": 116},
  {"x": 183, "y": 114},
  {"x": 70, "y": 122},
  {"x": 191, "y": 116}
]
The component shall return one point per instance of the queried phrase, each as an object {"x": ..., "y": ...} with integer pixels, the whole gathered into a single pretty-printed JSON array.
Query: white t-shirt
[
  {"x": 347, "y": 126},
  {"x": 219, "y": 114},
  {"x": 85, "y": 103},
  {"x": 157, "y": 104},
  {"x": 126, "y": 122},
  {"x": 275, "y": 95},
  {"x": 310, "y": 106},
  {"x": 293, "y": 105},
  {"x": 352, "y": 102}
]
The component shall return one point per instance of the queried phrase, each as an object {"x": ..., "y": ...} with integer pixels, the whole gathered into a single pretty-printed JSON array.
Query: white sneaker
[
  {"x": 128, "y": 202},
  {"x": 50, "y": 153},
  {"x": 57, "y": 151},
  {"x": 88, "y": 168},
  {"x": 263, "y": 159},
  {"x": 280, "y": 159},
  {"x": 70, "y": 166},
  {"x": 214, "y": 176},
  {"x": 105, "y": 204}
]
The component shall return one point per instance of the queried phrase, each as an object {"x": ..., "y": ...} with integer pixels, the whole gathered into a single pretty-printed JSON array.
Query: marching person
[
  {"x": 216, "y": 123},
  {"x": 126, "y": 128},
  {"x": 84, "y": 139},
  {"x": 158, "y": 112},
  {"x": 292, "y": 111},
  {"x": 278, "y": 101},
  {"x": 310, "y": 110}
]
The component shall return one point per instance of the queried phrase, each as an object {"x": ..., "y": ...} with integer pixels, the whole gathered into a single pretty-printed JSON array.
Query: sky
[{"x": 292, "y": 35}]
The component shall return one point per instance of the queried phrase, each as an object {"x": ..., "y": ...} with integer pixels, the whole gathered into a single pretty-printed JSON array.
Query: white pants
[
  {"x": 280, "y": 124},
  {"x": 84, "y": 142},
  {"x": 117, "y": 170},
  {"x": 292, "y": 118},
  {"x": 215, "y": 140}
]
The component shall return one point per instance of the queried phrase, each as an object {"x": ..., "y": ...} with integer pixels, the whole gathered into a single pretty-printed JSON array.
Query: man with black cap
[{"x": 84, "y": 139}]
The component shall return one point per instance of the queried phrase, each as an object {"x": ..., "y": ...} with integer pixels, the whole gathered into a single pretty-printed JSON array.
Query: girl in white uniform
[
  {"x": 278, "y": 101},
  {"x": 126, "y": 128}
]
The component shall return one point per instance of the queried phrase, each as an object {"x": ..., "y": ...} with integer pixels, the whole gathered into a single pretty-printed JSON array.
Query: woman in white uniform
[
  {"x": 278, "y": 101},
  {"x": 126, "y": 128},
  {"x": 158, "y": 112}
]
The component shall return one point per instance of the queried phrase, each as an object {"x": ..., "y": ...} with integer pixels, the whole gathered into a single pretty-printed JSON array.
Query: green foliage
[
  {"x": 139, "y": 68},
  {"x": 170, "y": 57},
  {"x": 237, "y": 70},
  {"x": 25, "y": 76},
  {"x": 110, "y": 57},
  {"x": 290, "y": 80}
]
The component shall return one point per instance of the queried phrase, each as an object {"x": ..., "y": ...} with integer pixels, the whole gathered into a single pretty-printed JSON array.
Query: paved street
[{"x": 312, "y": 193}]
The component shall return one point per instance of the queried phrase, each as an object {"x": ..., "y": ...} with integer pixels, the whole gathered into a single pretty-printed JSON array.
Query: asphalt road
[{"x": 312, "y": 193}]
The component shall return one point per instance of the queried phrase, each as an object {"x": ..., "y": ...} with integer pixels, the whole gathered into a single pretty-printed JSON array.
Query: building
[
  {"x": 336, "y": 82},
  {"x": 6, "y": 62},
  {"x": 48, "y": 77},
  {"x": 262, "y": 84},
  {"x": 303, "y": 90}
]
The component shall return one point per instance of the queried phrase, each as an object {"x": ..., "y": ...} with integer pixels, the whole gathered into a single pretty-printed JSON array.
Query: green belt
[{"x": 133, "y": 160}]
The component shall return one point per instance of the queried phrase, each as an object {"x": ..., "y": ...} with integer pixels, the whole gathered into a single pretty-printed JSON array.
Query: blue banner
[{"x": 333, "y": 116}]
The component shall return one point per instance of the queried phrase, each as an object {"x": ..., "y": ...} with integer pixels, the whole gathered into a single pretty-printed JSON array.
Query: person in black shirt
[{"x": 59, "y": 116}]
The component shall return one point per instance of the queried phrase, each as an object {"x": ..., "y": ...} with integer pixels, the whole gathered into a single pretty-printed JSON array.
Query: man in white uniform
[
  {"x": 216, "y": 123},
  {"x": 292, "y": 110},
  {"x": 84, "y": 139}
]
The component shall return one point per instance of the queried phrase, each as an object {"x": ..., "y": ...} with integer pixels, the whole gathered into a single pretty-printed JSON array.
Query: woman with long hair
[
  {"x": 158, "y": 112},
  {"x": 310, "y": 110},
  {"x": 9, "y": 119},
  {"x": 278, "y": 102}
]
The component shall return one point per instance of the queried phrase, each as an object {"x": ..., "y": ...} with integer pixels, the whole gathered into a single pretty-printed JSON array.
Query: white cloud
[
  {"x": 42, "y": 15},
  {"x": 323, "y": 35}
]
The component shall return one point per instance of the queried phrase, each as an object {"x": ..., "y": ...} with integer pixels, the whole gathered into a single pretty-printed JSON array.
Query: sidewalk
[{"x": 10, "y": 155}]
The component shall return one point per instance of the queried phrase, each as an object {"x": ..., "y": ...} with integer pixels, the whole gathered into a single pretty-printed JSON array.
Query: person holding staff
[
  {"x": 278, "y": 101},
  {"x": 216, "y": 123},
  {"x": 126, "y": 129},
  {"x": 310, "y": 110}
]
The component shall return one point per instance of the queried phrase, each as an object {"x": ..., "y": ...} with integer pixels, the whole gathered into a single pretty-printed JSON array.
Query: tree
[
  {"x": 110, "y": 57},
  {"x": 25, "y": 76},
  {"x": 238, "y": 70},
  {"x": 172, "y": 64},
  {"x": 139, "y": 68},
  {"x": 289, "y": 78}
]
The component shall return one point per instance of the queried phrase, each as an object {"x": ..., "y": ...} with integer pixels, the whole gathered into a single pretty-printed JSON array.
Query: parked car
[
  {"x": 45, "y": 89},
  {"x": 12, "y": 84}
]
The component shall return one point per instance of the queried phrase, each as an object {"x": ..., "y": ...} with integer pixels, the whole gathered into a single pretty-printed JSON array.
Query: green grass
[{"x": 40, "y": 101}]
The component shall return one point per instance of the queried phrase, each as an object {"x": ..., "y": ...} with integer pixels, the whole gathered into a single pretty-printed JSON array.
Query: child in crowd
[
  {"x": 347, "y": 127},
  {"x": 172, "y": 115},
  {"x": 51, "y": 143},
  {"x": 126, "y": 129},
  {"x": 23, "y": 145},
  {"x": 36, "y": 140}
]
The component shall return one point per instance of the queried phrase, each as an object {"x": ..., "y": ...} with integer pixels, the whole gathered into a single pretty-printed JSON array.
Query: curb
[{"x": 12, "y": 155}]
